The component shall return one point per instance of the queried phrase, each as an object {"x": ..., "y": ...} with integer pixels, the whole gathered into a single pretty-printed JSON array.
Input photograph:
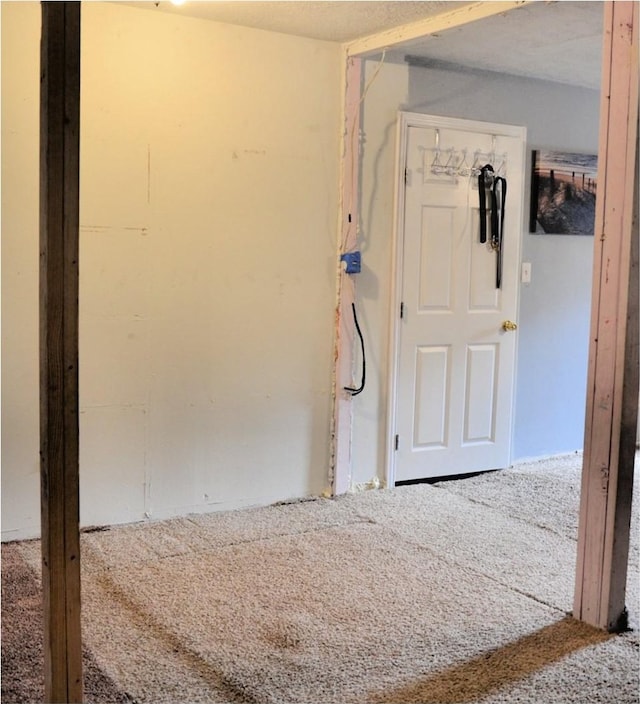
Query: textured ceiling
[
  {"x": 333, "y": 20},
  {"x": 558, "y": 41}
]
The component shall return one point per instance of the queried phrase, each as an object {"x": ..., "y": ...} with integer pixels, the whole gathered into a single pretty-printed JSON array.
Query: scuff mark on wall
[
  {"x": 235, "y": 154},
  {"x": 106, "y": 228},
  {"x": 131, "y": 406}
]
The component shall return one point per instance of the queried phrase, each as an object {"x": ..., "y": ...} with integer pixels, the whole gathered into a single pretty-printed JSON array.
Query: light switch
[{"x": 526, "y": 273}]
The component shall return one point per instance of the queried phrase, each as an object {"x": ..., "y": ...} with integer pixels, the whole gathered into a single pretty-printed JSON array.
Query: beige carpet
[{"x": 437, "y": 594}]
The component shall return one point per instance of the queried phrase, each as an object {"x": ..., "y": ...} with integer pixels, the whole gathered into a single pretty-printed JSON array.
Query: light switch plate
[{"x": 526, "y": 273}]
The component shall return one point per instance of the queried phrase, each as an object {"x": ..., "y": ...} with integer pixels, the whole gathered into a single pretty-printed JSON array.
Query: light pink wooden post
[
  {"x": 612, "y": 392},
  {"x": 345, "y": 328}
]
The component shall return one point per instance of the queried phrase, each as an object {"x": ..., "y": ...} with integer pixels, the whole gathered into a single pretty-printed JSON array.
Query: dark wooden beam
[
  {"x": 59, "y": 434},
  {"x": 612, "y": 390}
]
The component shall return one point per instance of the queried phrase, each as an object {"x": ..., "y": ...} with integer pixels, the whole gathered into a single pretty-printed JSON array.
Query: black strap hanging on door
[
  {"x": 483, "y": 183},
  {"x": 497, "y": 187},
  {"x": 498, "y": 201}
]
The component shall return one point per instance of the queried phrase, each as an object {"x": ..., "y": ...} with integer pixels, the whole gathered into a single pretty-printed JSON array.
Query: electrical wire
[
  {"x": 360, "y": 389},
  {"x": 354, "y": 146},
  {"x": 351, "y": 136},
  {"x": 373, "y": 76}
]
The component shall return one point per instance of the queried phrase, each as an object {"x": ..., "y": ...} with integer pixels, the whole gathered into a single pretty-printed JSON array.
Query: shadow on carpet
[
  {"x": 22, "y": 641},
  {"x": 493, "y": 670}
]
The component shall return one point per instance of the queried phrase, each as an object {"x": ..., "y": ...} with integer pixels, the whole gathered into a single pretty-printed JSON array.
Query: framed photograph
[{"x": 563, "y": 193}]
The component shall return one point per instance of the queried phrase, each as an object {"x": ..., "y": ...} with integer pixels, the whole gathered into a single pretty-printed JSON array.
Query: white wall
[
  {"x": 209, "y": 181},
  {"x": 554, "y": 308},
  {"x": 208, "y": 218}
]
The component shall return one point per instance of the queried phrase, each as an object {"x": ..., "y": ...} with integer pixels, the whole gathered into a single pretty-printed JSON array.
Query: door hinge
[
  {"x": 401, "y": 311},
  {"x": 407, "y": 177},
  {"x": 397, "y": 442}
]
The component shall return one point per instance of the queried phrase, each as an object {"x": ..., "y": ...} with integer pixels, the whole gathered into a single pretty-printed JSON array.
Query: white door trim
[{"x": 405, "y": 121}]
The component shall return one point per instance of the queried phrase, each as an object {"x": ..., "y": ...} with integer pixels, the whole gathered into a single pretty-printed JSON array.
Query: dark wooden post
[
  {"x": 612, "y": 391},
  {"x": 59, "y": 436}
]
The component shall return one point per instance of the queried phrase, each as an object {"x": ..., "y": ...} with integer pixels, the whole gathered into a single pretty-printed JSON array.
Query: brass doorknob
[{"x": 508, "y": 326}]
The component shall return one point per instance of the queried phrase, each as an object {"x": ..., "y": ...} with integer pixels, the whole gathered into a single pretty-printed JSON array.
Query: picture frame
[{"x": 563, "y": 193}]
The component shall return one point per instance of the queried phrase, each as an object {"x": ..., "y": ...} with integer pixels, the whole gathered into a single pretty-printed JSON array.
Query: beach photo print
[{"x": 563, "y": 193}]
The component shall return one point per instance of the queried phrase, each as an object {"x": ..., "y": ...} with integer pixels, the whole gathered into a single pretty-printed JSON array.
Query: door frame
[{"x": 405, "y": 121}]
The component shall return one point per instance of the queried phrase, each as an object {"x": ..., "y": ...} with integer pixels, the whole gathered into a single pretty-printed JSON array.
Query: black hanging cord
[
  {"x": 360, "y": 389},
  {"x": 482, "y": 193},
  {"x": 497, "y": 186},
  {"x": 497, "y": 223}
]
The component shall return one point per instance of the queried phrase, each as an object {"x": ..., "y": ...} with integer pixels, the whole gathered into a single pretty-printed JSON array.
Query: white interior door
[{"x": 454, "y": 359}]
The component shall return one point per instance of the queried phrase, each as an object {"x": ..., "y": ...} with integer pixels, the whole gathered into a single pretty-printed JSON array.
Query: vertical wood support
[
  {"x": 345, "y": 328},
  {"x": 612, "y": 392},
  {"x": 59, "y": 434}
]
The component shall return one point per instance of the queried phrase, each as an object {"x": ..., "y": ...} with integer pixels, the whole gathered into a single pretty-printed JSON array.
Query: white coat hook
[
  {"x": 478, "y": 159},
  {"x": 502, "y": 169},
  {"x": 436, "y": 166},
  {"x": 449, "y": 166},
  {"x": 463, "y": 167}
]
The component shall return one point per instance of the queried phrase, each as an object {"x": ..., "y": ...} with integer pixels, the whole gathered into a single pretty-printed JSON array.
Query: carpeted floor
[{"x": 435, "y": 594}]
